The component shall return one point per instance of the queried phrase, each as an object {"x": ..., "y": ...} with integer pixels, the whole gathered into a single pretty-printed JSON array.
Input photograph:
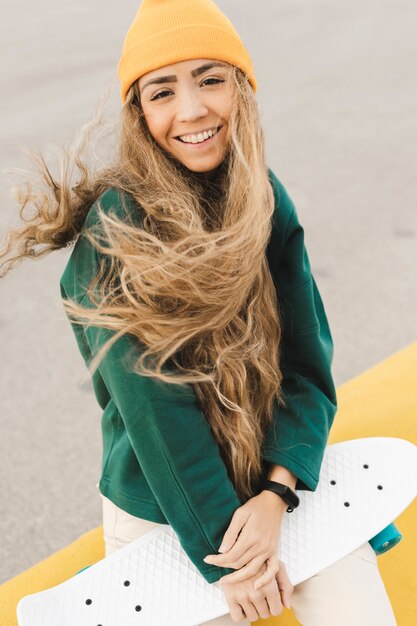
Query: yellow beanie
[{"x": 169, "y": 31}]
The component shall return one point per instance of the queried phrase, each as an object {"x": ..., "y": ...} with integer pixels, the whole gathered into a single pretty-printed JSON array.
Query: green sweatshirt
[{"x": 160, "y": 459}]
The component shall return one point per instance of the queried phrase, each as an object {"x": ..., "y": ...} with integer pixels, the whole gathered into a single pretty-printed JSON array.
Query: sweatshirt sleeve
[
  {"x": 298, "y": 434},
  {"x": 169, "y": 434}
]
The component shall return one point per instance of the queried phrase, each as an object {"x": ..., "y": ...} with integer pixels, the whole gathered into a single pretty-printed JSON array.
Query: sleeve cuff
[{"x": 305, "y": 479}]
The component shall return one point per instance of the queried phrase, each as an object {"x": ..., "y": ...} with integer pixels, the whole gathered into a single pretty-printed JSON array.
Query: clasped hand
[{"x": 250, "y": 542}]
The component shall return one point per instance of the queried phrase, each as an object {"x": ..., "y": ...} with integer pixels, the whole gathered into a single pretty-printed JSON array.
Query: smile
[{"x": 204, "y": 142}]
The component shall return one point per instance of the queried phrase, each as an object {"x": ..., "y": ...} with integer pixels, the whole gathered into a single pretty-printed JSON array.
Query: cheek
[
  {"x": 224, "y": 107},
  {"x": 158, "y": 126}
]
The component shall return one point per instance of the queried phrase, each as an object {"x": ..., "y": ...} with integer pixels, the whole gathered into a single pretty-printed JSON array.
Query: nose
[{"x": 190, "y": 106}]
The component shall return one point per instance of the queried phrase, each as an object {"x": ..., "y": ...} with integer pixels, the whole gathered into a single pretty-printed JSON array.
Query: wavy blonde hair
[{"x": 191, "y": 282}]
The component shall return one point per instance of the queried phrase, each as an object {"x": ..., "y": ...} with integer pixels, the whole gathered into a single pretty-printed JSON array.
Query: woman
[{"x": 189, "y": 255}]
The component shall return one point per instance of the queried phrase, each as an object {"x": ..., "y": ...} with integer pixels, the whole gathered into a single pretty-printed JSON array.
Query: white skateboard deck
[{"x": 364, "y": 485}]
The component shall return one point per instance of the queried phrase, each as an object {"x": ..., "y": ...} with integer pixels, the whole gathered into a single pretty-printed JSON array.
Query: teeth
[{"x": 198, "y": 138}]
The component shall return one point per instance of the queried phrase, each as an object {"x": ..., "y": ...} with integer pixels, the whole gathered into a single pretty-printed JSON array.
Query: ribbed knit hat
[{"x": 169, "y": 31}]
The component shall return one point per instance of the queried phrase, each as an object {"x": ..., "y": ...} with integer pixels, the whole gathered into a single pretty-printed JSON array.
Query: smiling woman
[
  {"x": 191, "y": 119},
  {"x": 192, "y": 301}
]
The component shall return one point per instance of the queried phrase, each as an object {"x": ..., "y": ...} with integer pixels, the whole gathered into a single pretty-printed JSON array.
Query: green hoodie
[{"x": 160, "y": 459}]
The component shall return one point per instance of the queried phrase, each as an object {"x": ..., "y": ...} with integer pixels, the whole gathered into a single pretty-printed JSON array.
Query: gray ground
[{"x": 338, "y": 97}]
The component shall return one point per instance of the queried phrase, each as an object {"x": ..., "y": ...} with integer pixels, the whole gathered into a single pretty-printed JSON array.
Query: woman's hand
[
  {"x": 247, "y": 603},
  {"x": 252, "y": 539}
]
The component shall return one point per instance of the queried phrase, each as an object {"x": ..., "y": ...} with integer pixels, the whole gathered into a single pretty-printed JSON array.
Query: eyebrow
[{"x": 173, "y": 78}]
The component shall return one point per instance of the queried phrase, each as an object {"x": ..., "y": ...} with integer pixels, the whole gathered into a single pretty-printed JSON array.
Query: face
[{"x": 183, "y": 100}]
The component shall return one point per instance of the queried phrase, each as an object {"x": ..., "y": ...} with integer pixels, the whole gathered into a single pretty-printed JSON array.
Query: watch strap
[{"x": 286, "y": 493}]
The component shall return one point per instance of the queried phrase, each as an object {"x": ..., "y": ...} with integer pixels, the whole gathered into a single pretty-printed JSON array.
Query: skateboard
[{"x": 364, "y": 485}]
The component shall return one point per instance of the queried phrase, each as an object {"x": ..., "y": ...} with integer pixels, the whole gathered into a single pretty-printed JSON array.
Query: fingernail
[{"x": 223, "y": 548}]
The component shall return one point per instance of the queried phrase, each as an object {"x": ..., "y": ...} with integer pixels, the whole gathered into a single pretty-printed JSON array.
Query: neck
[{"x": 208, "y": 176}]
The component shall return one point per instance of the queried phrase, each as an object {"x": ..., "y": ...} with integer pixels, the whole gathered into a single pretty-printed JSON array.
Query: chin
[
  {"x": 199, "y": 166},
  {"x": 201, "y": 170}
]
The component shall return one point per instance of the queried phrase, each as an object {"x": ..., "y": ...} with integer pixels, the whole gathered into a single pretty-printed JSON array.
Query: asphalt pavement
[{"x": 337, "y": 89}]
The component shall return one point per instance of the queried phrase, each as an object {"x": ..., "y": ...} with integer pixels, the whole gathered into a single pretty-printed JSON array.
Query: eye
[
  {"x": 161, "y": 93},
  {"x": 157, "y": 95},
  {"x": 217, "y": 80}
]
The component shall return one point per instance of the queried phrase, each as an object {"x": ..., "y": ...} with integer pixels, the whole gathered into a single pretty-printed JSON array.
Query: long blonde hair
[{"x": 192, "y": 282}]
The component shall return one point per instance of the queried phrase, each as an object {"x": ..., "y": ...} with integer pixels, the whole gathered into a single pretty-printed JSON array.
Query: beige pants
[{"x": 350, "y": 592}]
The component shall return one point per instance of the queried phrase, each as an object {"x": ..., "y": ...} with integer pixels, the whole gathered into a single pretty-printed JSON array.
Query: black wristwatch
[{"x": 286, "y": 493}]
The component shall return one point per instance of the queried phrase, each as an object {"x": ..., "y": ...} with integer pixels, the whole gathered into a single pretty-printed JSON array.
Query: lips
[{"x": 185, "y": 134}]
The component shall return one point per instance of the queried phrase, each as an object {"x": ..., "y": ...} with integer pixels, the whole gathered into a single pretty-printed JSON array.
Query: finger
[
  {"x": 238, "y": 545},
  {"x": 236, "y": 612},
  {"x": 244, "y": 572},
  {"x": 262, "y": 607},
  {"x": 237, "y": 523},
  {"x": 250, "y": 611},
  {"x": 273, "y": 599},
  {"x": 272, "y": 570},
  {"x": 238, "y": 556},
  {"x": 284, "y": 585}
]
